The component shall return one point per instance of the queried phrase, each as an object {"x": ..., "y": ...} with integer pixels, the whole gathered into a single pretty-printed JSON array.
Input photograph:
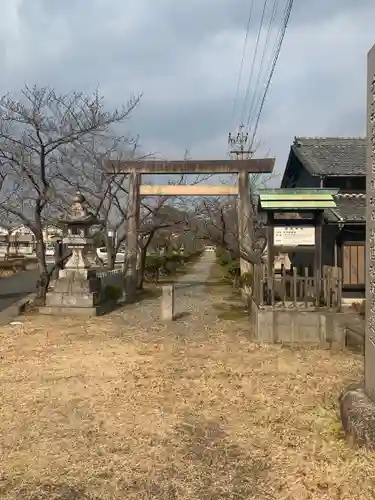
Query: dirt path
[{"x": 201, "y": 304}]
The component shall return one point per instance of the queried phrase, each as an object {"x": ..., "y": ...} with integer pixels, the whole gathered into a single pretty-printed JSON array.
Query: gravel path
[
  {"x": 191, "y": 294},
  {"x": 196, "y": 308}
]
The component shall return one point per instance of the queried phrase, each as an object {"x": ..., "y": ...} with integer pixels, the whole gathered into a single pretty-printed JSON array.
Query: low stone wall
[{"x": 297, "y": 326}]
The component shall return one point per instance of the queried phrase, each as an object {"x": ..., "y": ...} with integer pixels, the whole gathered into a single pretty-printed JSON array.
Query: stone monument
[
  {"x": 76, "y": 290},
  {"x": 357, "y": 404}
]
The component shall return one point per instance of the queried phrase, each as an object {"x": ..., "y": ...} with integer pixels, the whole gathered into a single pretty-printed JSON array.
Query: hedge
[
  {"x": 157, "y": 265},
  {"x": 232, "y": 269}
]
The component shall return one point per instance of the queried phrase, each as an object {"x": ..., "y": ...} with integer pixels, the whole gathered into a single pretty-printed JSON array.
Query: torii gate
[{"x": 135, "y": 169}]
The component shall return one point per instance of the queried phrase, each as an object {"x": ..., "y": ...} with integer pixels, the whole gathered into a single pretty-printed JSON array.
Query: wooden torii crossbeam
[
  {"x": 251, "y": 166},
  {"x": 135, "y": 169}
]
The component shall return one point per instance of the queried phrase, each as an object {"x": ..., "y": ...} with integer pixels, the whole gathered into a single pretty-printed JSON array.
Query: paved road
[{"x": 16, "y": 287}]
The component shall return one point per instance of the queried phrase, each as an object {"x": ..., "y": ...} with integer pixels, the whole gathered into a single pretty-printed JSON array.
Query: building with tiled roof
[
  {"x": 332, "y": 156},
  {"x": 336, "y": 162}
]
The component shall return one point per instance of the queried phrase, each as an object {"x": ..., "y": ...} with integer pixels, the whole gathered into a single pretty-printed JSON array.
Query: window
[{"x": 353, "y": 263}]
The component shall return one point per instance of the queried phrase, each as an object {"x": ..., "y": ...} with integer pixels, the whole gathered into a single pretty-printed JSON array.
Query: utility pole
[
  {"x": 240, "y": 149},
  {"x": 239, "y": 144}
]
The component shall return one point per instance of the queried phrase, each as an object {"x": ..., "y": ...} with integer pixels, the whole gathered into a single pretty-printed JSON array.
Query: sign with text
[{"x": 293, "y": 236}]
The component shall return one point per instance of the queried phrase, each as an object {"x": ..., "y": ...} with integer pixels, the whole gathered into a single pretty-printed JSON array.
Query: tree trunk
[
  {"x": 43, "y": 280},
  {"x": 142, "y": 259},
  {"x": 142, "y": 268}
]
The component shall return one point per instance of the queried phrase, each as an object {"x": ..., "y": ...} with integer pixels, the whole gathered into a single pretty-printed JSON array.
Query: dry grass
[{"x": 98, "y": 410}]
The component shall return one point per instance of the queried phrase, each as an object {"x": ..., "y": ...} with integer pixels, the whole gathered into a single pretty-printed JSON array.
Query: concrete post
[
  {"x": 370, "y": 230},
  {"x": 167, "y": 303}
]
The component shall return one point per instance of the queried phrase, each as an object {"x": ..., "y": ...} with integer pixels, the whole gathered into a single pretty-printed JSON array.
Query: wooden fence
[{"x": 289, "y": 289}]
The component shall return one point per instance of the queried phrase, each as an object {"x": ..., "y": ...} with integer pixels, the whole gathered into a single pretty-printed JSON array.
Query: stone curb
[{"x": 15, "y": 309}]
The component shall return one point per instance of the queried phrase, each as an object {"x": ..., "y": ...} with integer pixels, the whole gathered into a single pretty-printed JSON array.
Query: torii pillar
[
  {"x": 132, "y": 235},
  {"x": 358, "y": 403}
]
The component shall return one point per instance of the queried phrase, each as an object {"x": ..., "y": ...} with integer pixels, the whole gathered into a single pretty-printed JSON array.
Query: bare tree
[
  {"x": 106, "y": 193},
  {"x": 163, "y": 224},
  {"x": 39, "y": 129},
  {"x": 218, "y": 224}
]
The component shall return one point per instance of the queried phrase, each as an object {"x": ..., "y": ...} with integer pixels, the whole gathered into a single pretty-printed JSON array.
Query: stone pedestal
[
  {"x": 357, "y": 404},
  {"x": 357, "y": 412},
  {"x": 77, "y": 289}
]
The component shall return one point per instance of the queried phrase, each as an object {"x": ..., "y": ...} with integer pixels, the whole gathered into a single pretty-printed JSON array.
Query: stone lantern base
[{"x": 74, "y": 293}]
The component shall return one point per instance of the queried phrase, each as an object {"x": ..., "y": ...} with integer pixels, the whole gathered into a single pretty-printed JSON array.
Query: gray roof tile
[
  {"x": 332, "y": 156},
  {"x": 351, "y": 207}
]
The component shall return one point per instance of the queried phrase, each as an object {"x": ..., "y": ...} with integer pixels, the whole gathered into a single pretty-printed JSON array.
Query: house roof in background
[
  {"x": 350, "y": 207},
  {"x": 332, "y": 156}
]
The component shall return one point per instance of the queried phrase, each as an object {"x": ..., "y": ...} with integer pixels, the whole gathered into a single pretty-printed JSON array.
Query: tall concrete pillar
[
  {"x": 370, "y": 230},
  {"x": 357, "y": 404}
]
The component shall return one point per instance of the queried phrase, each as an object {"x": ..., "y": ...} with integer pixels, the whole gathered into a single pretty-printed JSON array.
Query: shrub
[
  {"x": 154, "y": 262},
  {"x": 113, "y": 293},
  {"x": 153, "y": 265},
  {"x": 224, "y": 260},
  {"x": 174, "y": 257},
  {"x": 167, "y": 264},
  {"x": 233, "y": 269}
]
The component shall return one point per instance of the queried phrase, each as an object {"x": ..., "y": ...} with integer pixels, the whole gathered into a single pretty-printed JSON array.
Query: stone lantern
[
  {"x": 79, "y": 240},
  {"x": 76, "y": 290}
]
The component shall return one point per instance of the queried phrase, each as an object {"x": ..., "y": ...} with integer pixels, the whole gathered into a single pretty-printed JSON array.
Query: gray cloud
[{"x": 185, "y": 57}]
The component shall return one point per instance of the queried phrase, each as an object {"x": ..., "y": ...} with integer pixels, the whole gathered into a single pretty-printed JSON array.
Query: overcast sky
[{"x": 184, "y": 55}]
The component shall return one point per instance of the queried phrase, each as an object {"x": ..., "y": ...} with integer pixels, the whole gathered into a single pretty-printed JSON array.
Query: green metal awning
[{"x": 295, "y": 199}]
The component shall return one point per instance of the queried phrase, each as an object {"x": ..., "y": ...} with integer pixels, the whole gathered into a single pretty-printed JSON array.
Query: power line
[
  {"x": 243, "y": 58},
  {"x": 283, "y": 31},
  {"x": 258, "y": 101},
  {"x": 254, "y": 58},
  {"x": 268, "y": 36},
  {"x": 270, "y": 62}
]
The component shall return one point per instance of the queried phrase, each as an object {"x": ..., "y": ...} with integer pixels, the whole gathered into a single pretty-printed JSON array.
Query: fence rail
[{"x": 290, "y": 290}]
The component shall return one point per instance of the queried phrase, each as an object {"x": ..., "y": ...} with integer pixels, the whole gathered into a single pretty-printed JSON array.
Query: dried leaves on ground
[{"x": 99, "y": 409}]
